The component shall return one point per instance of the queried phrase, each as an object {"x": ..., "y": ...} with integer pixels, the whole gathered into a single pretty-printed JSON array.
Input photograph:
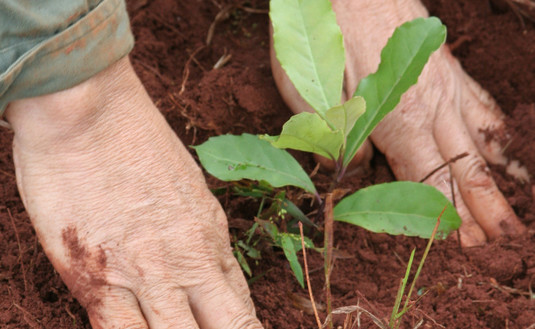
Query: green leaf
[
  {"x": 399, "y": 208},
  {"x": 242, "y": 261},
  {"x": 271, "y": 229},
  {"x": 232, "y": 158},
  {"x": 402, "y": 61},
  {"x": 291, "y": 254},
  {"x": 296, "y": 213},
  {"x": 250, "y": 251},
  {"x": 310, "y": 133},
  {"x": 296, "y": 239},
  {"x": 310, "y": 48},
  {"x": 344, "y": 116}
]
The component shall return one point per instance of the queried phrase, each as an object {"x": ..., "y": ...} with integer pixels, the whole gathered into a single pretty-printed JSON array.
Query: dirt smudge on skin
[
  {"x": 70, "y": 240},
  {"x": 85, "y": 276}
]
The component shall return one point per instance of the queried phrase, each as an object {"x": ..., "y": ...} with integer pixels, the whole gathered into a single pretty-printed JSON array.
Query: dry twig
[
  {"x": 311, "y": 295},
  {"x": 185, "y": 72}
]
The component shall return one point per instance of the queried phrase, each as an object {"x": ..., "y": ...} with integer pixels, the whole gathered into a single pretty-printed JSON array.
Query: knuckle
[
  {"x": 243, "y": 321},
  {"x": 441, "y": 180},
  {"x": 476, "y": 175}
]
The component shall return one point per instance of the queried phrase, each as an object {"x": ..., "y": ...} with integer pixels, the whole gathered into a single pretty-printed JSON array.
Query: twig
[
  {"x": 155, "y": 72},
  {"x": 370, "y": 305},
  {"x": 328, "y": 246},
  {"x": 254, "y": 10},
  {"x": 69, "y": 313},
  {"x": 308, "y": 276},
  {"x": 457, "y": 43},
  {"x": 352, "y": 309},
  {"x": 452, "y": 191},
  {"x": 7, "y": 173},
  {"x": 185, "y": 73},
  {"x": 32, "y": 319},
  {"x": 430, "y": 318},
  {"x": 167, "y": 25},
  {"x": 20, "y": 250},
  {"x": 450, "y": 161},
  {"x": 222, "y": 15},
  {"x": 419, "y": 324},
  {"x": 517, "y": 12},
  {"x": 223, "y": 60}
]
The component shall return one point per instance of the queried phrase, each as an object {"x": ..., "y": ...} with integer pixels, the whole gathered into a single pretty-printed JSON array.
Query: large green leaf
[
  {"x": 402, "y": 61},
  {"x": 232, "y": 158},
  {"x": 309, "y": 45},
  {"x": 399, "y": 208},
  {"x": 310, "y": 133},
  {"x": 344, "y": 116}
]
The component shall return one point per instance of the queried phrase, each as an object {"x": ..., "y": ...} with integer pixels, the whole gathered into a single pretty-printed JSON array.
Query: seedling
[{"x": 309, "y": 45}]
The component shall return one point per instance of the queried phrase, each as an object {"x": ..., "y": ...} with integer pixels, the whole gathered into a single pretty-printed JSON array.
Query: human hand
[
  {"x": 122, "y": 210},
  {"x": 444, "y": 115}
]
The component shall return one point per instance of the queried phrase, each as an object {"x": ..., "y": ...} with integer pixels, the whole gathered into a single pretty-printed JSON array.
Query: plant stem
[
  {"x": 420, "y": 266},
  {"x": 328, "y": 251},
  {"x": 401, "y": 291},
  {"x": 308, "y": 276}
]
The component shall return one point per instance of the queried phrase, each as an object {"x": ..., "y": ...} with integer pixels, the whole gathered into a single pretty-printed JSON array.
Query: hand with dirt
[
  {"x": 122, "y": 210},
  {"x": 444, "y": 115}
]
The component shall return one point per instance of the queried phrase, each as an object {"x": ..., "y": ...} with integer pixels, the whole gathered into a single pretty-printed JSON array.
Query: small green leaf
[
  {"x": 242, "y": 261},
  {"x": 296, "y": 239},
  {"x": 250, "y": 251},
  {"x": 402, "y": 60},
  {"x": 399, "y": 208},
  {"x": 296, "y": 213},
  {"x": 310, "y": 133},
  {"x": 309, "y": 45},
  {"x": 232, "y": 158},
  {"x": 344, "y": 116},
  {"x": 291, "y": 254}
]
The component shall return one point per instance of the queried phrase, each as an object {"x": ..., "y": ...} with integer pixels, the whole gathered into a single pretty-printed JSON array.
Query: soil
[{"x": 483, "y": 287}]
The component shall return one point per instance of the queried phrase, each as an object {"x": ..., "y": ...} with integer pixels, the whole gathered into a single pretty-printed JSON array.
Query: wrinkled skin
[
  {"x": 444, "y": 115},
  {"x": 122, "y": 210},
  {"x": 124, "y": 214}
]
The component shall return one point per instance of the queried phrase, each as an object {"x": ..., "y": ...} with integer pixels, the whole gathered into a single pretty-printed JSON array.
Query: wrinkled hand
[
  {"x": 444, "y": 115},
  {"x": 122, "y": 210}
]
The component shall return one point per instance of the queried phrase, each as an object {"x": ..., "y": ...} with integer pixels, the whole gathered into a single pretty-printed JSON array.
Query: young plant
[{"x": 309, "y": 45}]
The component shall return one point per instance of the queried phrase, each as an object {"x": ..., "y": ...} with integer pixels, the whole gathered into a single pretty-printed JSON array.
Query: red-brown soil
[{"x": 483, "y": 287}]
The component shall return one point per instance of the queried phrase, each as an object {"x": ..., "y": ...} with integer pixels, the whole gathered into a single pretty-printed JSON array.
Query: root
[{"x": 185, "y": 72}]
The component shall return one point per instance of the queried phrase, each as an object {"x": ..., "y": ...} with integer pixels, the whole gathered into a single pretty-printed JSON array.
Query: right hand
[{"x": 122, "y": 210}]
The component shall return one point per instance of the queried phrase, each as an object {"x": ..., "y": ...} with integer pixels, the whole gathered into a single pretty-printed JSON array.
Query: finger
[
  {"x": 416, "y": 163},
  {"x": 484, "y": 121},
  {"x": 471, "y": 234},
  {"x": 118, "y": 308},
  {"x": 234, "y": 276},
  {"x": 485, "y": 202},
  {"x": 167, "y": 306},
  {"x": 217, "y": 305}
]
